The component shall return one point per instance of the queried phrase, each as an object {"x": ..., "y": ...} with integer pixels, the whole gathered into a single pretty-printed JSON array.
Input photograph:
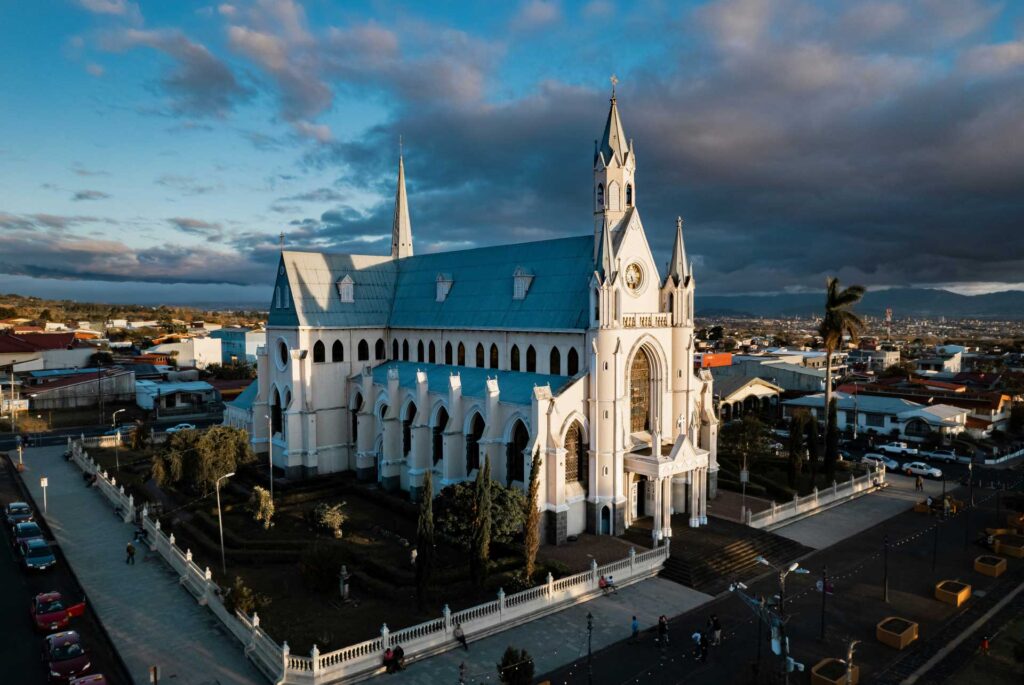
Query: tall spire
[
  {"x": 401, "y": 227},
  {"x": 678, "y": 267},
  {"x": 613, "y": 142}
]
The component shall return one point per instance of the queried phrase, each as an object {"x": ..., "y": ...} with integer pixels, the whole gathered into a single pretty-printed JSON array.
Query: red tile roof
[{"x": 35, "y": 342}]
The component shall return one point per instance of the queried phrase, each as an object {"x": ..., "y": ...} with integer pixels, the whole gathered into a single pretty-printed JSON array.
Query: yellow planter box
[
  {"x": 896, "y": 632},
  {"x": 952, "y": 592},
  {"x": 833, "y": 672},
  {"x": 989, "y": 565},
  {"x": 1010, "y": 545}
]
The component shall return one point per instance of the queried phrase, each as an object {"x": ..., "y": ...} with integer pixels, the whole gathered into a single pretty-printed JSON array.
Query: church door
[{"x": 640, "y": 393}]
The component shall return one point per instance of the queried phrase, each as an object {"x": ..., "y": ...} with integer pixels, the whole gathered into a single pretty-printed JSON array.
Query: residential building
[
  {"x": 239, "y": 345},
  {"x": 75, "y": 389},
  {"x": 886, "y": 416},
  {"x": 197, "y": 352},
  {"x": 239, "y": 411},
  {"x": 177, "y": 398}
]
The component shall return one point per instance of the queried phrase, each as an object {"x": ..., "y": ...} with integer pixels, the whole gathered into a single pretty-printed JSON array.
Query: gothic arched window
[
  {"x": 640, "y": 393},
  {"x": 364, "y": 351},
  {"x": 515, "y": 458},
  {"x": 319, "y": 352},
  {"x": 419, "y": 351},
  {"x": 600, "y": 195},
  {"x": 556, "y": 362},
  {"x": 629, "y": 194},
  {"x": 531, "y": 359},
  {"x": 431, "y": 355},
  {"x": 448, "y": 353},
  {"x": 337, "y": 352},
  {"x": 410, "y": 414},
  {"x": 479, "y": 355},
  {"x": 394, "y": 349},
  {"x": 476, "y": 431},
  {"x": 494, "y": 356},
  {"x": 405, "y": 350},
  {"x": 575, "y": 456},
  {"x": 437, "y": 432},
  {"x": 573, "y": 363},
  {"x": 514, "y": 365},
  {"x": 379, "y": 349},
  {"x": 462, "y": 355}
]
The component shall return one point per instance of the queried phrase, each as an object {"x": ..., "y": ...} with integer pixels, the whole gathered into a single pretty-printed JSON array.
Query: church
[{"x": 573, "y": 353}]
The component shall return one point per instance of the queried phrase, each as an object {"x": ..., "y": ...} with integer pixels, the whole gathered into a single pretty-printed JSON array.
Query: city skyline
[{"x": 166, "y": 148}]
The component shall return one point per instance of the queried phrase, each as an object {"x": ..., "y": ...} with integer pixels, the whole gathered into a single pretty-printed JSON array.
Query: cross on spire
[
  {"x": 615, "y": 81},
  {"x": 281, "y": 240}
]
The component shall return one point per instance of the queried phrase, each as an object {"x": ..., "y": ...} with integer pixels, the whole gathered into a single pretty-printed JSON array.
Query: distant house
[
  {"x": 739, "y": 395},
  {"x": 34, "y": 351},
  {"x": 197, "y": 352},
  {"x": 791, "y": 377},
  {"x": 884, "y": 416},
  {"x": 73, "y": 388},
  {"x": 239, "y": 344},
  {"x": 239, "y": 412},
  {"x": 182, "y": 397}
]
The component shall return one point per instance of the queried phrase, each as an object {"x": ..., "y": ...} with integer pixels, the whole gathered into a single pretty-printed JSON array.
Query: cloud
[
  {"x": 47, "y": 222},
  {"x": 199, "y": 83},
  {"x": 318, "y": 195},
  {"x": 80, "y": 170},
  {"x": 89, "y": 195},
  {"x": 186, "y": 185},
  {"x": 995, "y": 59},
  {"x": 113, "y": 7},
  {"x": 318, "y": 132},
  {"x": 197, "y": 227},
  {"x": 535, "y": 14},
  {"x": 94, "y": 69}
]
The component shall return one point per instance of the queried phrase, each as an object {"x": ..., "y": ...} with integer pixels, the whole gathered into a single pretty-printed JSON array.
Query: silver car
[{"x": 919, "y": 468}]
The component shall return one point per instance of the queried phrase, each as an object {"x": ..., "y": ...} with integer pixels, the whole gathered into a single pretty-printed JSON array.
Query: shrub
[
  {"x": 455, "y": 513},
  {"x": 330, "y": 517},
  {"x": 240, "y": 597},
  {"x": 516, "y": 667},
  {"x": 262, "y": 507}
]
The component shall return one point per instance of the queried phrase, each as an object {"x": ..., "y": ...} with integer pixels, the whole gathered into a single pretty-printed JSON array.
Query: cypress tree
[
  {"x": 797, "y": 427},
  {"x": 425, "y": 541},
  {"x": 482, "y": 527},
  {"x": 531, "y": 533}
]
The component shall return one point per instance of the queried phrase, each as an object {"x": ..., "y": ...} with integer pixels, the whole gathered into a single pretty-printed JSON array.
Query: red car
[
  {"x": 95, "y": 679},
  {"x": 51, "y": 612},
  {"x": 65, "y": 657}
]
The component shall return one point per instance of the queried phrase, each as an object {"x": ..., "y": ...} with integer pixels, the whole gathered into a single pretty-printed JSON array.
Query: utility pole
[
  {"x": 885, "y": 570},
  {"x": 590, "y": 648},
  {"x": 935, "y": 547}
]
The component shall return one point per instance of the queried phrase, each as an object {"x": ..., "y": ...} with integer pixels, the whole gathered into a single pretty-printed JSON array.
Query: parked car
[
  {"x": 94, "y": 679},
  {"x": 50, "y": 612},
  {"x": 948, "y": 456},
  {"x": 29, "y": 530},
  {"x": 18, "y": 512},
  {"x": 919, "y": 468},
  {"x": 36, "y": 555},
  {"x": 65, "y": 656},
  {"x": 889, "y": 463},
  {"x": 180, "y": 427},
  {"x": 898, "y": 448}
]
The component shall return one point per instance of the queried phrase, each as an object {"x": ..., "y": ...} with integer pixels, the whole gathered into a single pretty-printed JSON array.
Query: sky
[{"x": 154, "y": 151}]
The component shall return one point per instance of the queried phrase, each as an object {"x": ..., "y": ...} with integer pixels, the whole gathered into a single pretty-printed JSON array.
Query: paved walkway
[
  {"x": 559, "y": 639},
  {"x": 150, "y": 618}
]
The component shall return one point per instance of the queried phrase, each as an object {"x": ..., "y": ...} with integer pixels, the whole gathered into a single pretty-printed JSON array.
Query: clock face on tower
[{"x": 634, "y": 277}]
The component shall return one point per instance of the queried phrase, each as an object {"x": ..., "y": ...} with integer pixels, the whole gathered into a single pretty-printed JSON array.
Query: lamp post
[
  {"x": 590, "y": 647},
  {"x": 220, "y": 523},
  {"x": 783, "y": 573},
  {"x": 270, "y": 452},
  {"x": 117, "y": 441}
]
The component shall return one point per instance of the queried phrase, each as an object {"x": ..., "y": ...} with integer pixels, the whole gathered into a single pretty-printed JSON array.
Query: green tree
[
  {"x": 240, "y": 597},
  {"x": 425, "y": 541},
  {"x": 516, "y": 667},
  {"x": 839, "y": 320},
  {"x": 899, "y": 370},
  {"x": 831, "y": 441},
  {"x": 481, "y": 553},
  {"x": 797, "y": 429},
  {"x": 455, "y": 513},
  {"x": 746, "y": 440},
  {"x": 531, "y": 530},
  {"x": 197, "y": 459},
  {"x": 261, "y": 506},
  {"x": 140, "y": 436}
]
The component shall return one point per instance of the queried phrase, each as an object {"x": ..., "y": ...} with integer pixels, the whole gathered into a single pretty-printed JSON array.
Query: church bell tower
[{"x": 614, "y": 169}]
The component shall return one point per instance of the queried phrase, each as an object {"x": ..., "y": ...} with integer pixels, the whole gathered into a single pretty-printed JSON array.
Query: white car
[
  {"x": 180, "y": 427},
  {"x": 949, "y": 456},
  {"x": 919, "y": 468},
  {"x": 898, "y": 448},
  {"x": 876, "y": 459}
]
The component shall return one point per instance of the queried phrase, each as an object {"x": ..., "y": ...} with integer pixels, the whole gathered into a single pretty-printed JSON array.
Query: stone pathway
[
  {"x": 561, "y": 638},
  {"x": 150, "y": 618}
]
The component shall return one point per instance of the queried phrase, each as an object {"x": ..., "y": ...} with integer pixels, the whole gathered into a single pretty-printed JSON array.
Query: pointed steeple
[
  {"x": 678, "y": 268},
  {"x": 401, "y": 227},
  {"x": 613, "y": 141}
]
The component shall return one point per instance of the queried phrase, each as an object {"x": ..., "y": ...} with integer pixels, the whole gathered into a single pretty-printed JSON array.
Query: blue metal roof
[
  {"x": 246, "y": 397},
  {"x": 516, "y": 387},
  {"x": 402, "y": 293}
]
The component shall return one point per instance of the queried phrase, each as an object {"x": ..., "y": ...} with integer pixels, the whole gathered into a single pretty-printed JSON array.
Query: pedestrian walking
[
  {"x": 460, "y": 636},
  {"x": 635, "y": 627},
  {"x": 697, "y": 639},
  {"x": 919, "y": 484},
  {"x": 716, "y": 631},
  {"x": 129, "y": 554},
  {"x": 663, "y": 629},
  {"x": 984, "y": 645}
]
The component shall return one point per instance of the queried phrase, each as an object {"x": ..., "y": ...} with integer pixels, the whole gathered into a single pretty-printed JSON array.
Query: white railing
[
  {"x": 808, "y": 504},
  {"x": 647, "y": 320},
  {"x": 356, "y": 661},
  {"x": 123, "y": 503}
]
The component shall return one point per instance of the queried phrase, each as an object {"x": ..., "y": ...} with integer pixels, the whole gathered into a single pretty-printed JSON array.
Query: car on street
[
  {"x": 18, "y": 512},
  {"x": 29, "y": 530},
  {"x": 94, "y": 679},
  {"x": 36, "y": 555},
  {"x": 65, "y": 656},
  {"x": 889, "y": 463},
  {"x": 897, "y": 448},
  {"x": 50, "y": 611},
  {"x": 919, "y": 468},
  {"x": 180, "y": 427}
]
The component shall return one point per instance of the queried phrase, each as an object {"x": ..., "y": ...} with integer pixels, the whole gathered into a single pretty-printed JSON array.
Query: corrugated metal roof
[
  {"x": 515, "y": 387},
  {"x": 246, "y": 397},
  {"x": 402, "y": 293}
]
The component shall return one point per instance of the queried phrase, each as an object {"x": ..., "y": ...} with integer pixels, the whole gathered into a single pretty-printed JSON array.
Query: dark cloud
[
  {"x": 48, "y": 222},
  {"x": 90, "y": 195},
  {"x": 205, "y": 229},
  {"x": 317, "y": 195}
]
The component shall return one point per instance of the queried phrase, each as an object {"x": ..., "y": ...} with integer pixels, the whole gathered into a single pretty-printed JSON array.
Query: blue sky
[{"x": 155, "y": 150}]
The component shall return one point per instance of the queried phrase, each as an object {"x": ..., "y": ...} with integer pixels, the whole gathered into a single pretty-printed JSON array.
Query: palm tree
[{"x": 838, "y": 321}]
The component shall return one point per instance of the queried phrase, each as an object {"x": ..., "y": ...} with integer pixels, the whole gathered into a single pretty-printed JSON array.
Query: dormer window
[
  {"x": 521, "y": 280},
  {"x": 444, "y": 286},
  {"x": 346, "y": 290}
]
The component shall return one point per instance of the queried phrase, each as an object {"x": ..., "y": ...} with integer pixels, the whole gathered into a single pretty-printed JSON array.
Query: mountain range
[{"x": 905, "y": 302}]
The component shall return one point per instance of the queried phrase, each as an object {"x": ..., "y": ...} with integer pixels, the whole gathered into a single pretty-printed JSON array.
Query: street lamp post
[
  {"x": 117, "y": 441},
  {"x": 270, "y": 452},
  {"x": 220, "y": 523},
  {"x": 783, "y": 573}
]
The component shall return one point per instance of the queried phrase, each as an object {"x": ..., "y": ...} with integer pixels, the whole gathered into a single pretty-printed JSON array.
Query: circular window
[
  {"x": 282, "y": 350},
  {"x": 634, "y": 277}
]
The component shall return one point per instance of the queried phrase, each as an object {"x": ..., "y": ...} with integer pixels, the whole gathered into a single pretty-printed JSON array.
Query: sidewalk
[
  {"x": 150, "y": 618},
  {"x": 561, "y": 638}
]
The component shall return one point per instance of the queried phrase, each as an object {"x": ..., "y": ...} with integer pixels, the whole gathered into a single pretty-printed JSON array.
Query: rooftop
[{"x": 515, "y": 387}]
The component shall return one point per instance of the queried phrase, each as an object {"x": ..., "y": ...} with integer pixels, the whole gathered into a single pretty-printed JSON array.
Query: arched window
[
  {"x": 275, "y": 413},
  {"x": 282, "y": 352},
  {"x": 419, "y": 351},
  {"x": 357, "y": 406},
  {"x": 573, "y": 362},
  {"x": 405, "y": 350},
  {"x": 437, "y": 432},
  {"x": 516, "y": 460},
  {"x": 462, "y": 355},
  {"x": 556, "y": 362},
  {"x": 531, "y": 359},
  {"x": 319, "y": 352},
  {"x": 363, "y": 351},
  {"x": 410, "y": 414},
  {"x": 448, "y": 353},
  {"x": 277, "y": 296},
  {"x": 479, "y": 356},
  {"x": 629, "y": 194},
  {"x": 514, "y": 362},
  {"x": 337, "y": 352},
  {"x": 378, "y": 350},
  {"x": 575, "y": 456},
  {"x": 600, "y": 195},
  {"x": 431, "y": 356},
  {"x": 494, "y": 356},
  {"x": 476, "y": 431},
  {"x": 640, "y": 393},
  {"x": 394, "y": 349}
]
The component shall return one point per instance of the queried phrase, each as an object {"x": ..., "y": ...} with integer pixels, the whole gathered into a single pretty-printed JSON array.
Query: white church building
[{"x": 577, "y": 351}]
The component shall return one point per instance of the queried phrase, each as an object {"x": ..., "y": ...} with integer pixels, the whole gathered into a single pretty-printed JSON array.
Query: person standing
[
  {"x": 129, "y": 554},
  {"x": 663, "y": 630},
  {"x": 716, "y": 631},
  {"x": 919, "y": 484},
  {"x": 635, "y": 627}
]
